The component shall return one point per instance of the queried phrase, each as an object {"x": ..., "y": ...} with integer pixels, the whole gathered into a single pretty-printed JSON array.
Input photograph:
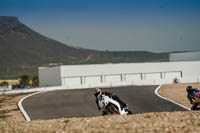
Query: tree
[
  {"x": 35, "y": 81},
  {"x": 4, "y": 83},
  {"x": 24, "y": 79}
]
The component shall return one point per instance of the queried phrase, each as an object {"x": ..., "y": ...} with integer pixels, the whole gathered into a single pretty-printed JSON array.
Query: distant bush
[
  {"x": 35, "y": 81},
  {"x": 4, "y": 83},
  {"x": 24, "y": 80}
]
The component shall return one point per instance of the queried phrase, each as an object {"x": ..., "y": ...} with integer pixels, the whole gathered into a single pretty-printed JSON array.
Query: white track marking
[
  {"x": 26, "y": 116},
  {"x": 157, "y": 93}
]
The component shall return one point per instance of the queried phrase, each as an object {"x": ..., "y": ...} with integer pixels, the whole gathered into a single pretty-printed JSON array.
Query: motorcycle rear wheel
[{"x": 112, "y": 109}]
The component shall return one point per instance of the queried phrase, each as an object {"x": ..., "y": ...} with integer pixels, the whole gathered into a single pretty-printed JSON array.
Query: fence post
[
  {"x": 181, "y": 74},
  {"x": 81, "y": 78},
  {"x": 121, "y": 77},
  {"x": 101, "y": 78}
]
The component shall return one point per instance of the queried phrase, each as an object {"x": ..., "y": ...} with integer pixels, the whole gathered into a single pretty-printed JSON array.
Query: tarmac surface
[{"x": 81, "y": 102}]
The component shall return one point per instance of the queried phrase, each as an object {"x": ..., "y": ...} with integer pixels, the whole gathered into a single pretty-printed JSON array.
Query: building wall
[
  {"x": 188, "y": 69},
  {"x": 186, "y": 56},
  {"x": 49, "y": 76},
  {"x": 127, "y": 73}
]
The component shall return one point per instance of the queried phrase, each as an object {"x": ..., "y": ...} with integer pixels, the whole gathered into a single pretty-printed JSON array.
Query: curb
[
  {"x": 26, "y": 116},
  {"x": 157, "y": 93}
]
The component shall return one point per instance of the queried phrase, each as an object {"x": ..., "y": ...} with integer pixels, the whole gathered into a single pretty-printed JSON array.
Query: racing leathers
[
  {"x": 114, "y": 97},
  {"x": 194, "y": 98}
]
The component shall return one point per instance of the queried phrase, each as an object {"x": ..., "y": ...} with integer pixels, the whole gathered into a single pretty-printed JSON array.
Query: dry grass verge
[
  {"x": 8, "y": 107},
  {"x": 177, "y": 122}
]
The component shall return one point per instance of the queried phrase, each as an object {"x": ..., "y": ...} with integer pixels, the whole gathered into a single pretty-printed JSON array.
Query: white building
[
  {"x": 185, "y": 56},
  {"x": 84, "y": 76}
]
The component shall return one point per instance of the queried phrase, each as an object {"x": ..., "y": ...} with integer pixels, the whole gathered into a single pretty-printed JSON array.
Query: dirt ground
[
  {"x": 10, "y": 82},
  {"x": 11, "y": 119},
  {"x": 177, "y": 92},
  {"x": 8, "y": 107}
]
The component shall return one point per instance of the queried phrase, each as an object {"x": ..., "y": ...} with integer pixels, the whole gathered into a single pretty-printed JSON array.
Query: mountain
[{"x": 23, "y": 50}]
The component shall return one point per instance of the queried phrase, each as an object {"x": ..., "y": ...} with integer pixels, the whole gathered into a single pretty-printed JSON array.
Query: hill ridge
[{"x": 22, "y": 50}]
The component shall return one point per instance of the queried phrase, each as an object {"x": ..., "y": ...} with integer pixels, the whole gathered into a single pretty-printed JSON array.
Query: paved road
[{"x": 81, "y": 103}]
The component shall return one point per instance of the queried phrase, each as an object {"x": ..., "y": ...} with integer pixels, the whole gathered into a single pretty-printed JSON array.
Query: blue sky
[{"x": 151, "y": 25}]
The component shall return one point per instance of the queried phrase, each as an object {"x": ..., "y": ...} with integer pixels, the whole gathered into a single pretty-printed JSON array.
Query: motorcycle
[{"x": 110, "y": 106}]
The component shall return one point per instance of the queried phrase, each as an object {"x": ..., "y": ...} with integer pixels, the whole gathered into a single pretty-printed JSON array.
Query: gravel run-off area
[{"x": 11, "y": 120}]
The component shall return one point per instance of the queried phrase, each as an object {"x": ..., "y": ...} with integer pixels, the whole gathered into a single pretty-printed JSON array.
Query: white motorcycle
[{"x": 110, "y": 106}]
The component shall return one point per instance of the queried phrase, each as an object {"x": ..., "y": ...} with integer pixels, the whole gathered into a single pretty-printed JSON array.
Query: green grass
[
  {"x": 147, "y": 116},
  {"x": 66, "y": 121}
]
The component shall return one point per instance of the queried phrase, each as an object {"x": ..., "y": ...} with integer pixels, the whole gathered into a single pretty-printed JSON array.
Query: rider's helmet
[
  {"x": 97, "y": 92},
  {"x": 189, "y": 89}
]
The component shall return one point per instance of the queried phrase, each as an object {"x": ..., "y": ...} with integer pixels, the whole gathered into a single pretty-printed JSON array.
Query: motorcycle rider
[
  {"x": 99, "y": 93},
  {"x": 193, "y": 95}
]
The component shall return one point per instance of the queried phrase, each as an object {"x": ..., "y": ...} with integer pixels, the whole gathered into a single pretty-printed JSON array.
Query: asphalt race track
[{"x": 81, "y": 102}]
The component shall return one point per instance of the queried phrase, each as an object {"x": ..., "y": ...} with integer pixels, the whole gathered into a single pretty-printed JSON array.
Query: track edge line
[
  {"x": 157, "y": 93},
  {"x": 24, "y": 113}
]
